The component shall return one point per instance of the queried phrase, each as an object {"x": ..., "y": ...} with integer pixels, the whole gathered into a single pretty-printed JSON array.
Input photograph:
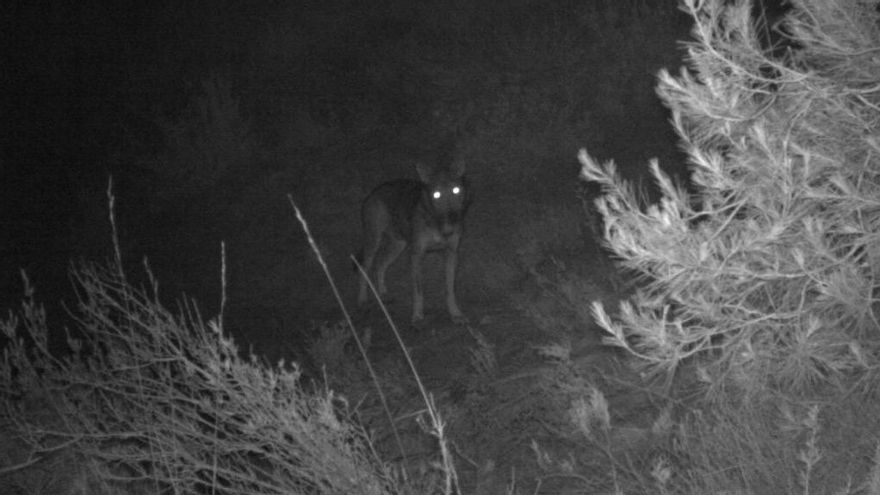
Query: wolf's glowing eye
[
  {"x": 436, "y": 194},
  {"x": 456, "y": 190}
]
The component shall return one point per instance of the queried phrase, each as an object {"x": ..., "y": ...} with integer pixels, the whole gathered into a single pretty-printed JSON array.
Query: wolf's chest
[{"x": 434, "y": 237}]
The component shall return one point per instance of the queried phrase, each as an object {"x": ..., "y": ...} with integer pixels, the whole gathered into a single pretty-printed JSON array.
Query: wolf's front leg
[
  {"x": 451, "y": 303},
  {"x": 418, "y": 298}
]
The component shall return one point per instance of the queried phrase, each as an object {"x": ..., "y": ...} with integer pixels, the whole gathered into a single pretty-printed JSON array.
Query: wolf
[{"x": 426, "y": 215}]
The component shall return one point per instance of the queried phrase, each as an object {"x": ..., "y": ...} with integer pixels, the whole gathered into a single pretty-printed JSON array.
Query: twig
[{"x": 348, "y": 320}]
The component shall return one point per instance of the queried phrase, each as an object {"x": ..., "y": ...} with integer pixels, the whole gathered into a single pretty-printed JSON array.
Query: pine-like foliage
[{"x": 769, "y": 268}]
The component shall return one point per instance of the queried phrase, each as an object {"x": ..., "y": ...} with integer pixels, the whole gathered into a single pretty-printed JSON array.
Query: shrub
[
  {"x": 769, "y": 270},
  {"x": 150, "y": 402}
]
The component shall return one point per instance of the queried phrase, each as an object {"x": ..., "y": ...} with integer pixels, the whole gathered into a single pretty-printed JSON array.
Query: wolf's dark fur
[{"x": 425, "y": 215}]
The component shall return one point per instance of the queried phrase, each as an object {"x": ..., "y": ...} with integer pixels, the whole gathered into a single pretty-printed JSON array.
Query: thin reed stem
[{"x": 357, "y": 339}]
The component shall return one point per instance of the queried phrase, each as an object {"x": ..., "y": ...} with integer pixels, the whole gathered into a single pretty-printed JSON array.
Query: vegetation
[
  {"x": 770, "y": 266},
  {"x": 760, "y": 284},
  {"x": 739, "y": 299},
  {"x": 150, "y": 402}
]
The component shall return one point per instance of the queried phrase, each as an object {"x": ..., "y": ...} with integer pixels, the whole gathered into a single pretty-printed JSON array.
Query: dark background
[{"x": 207, "y": 114}]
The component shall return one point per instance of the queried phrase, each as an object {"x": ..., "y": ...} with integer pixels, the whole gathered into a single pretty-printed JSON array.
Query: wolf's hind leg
[{"x": 396, "y": 246}]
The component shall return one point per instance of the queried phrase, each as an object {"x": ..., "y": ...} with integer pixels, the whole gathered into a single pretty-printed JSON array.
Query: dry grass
[{"x": 147, "y": 400}]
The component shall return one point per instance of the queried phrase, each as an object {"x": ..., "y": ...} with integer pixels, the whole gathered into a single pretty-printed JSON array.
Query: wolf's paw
[{"x": 419, "y": 323}]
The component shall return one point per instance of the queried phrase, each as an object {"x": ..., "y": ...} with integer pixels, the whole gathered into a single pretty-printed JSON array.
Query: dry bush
[
  {"x": 776, "y": 445},
  {"x": 148, "y": 401},
  {"x": 770, "y": 270}
]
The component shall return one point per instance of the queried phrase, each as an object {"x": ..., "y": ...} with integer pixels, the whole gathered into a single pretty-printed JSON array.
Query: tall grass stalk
[
  {"x": 437, "y": 423},
  {"x": 354, "y": 334}
]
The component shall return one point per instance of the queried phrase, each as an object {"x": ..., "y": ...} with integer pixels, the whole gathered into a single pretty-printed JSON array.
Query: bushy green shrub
[{"x": 770, "y": 268}]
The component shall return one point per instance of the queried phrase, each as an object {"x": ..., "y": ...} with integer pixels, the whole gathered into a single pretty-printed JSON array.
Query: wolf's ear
[
  {"x": 457, "y": 168},
  {"x": 424, "y": 171}
]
